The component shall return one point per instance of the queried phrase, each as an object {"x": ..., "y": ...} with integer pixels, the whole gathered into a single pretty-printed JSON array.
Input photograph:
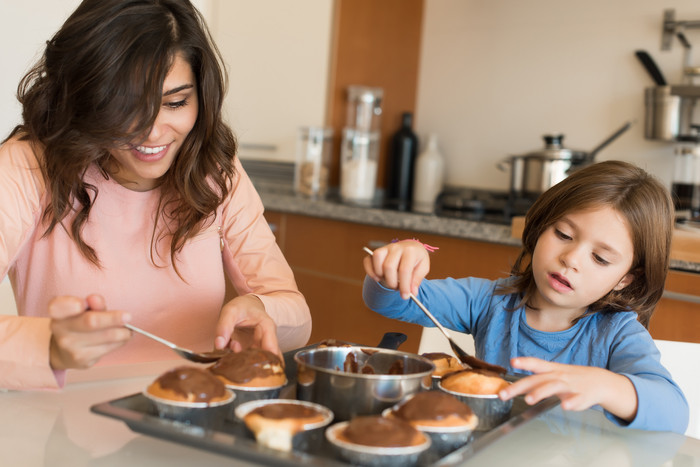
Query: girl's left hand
[
  {"x": 578, "y": 387},
  {"x": 244, "y": 323}
]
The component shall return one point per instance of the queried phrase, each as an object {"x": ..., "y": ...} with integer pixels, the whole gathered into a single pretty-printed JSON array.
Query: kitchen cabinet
[
  {"x": 326, "y": 257},
  {"x": 677, "y": 317}
]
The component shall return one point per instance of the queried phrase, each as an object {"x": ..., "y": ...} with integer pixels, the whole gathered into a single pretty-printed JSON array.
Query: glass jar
[
  {"x": 364, "y": 109},
  {"x": 314, "y": 145},
  {"x": 358, "y": 166}
]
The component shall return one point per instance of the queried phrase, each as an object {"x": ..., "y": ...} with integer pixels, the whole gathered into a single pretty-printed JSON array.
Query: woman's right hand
[
  {"x": 83, "y": 331},
  {"x": 400, "y": 265}
]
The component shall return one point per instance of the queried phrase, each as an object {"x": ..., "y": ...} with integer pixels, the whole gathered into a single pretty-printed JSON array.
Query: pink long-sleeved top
[{"x": 238, "y": 244}]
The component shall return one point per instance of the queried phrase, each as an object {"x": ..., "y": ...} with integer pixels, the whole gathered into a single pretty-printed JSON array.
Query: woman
[{"x": 121, "y": 201}]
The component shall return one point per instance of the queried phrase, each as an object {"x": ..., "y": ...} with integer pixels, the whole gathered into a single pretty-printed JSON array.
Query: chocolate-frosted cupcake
[
  {"x": 284, "y": 424},
  {"x": 189, "y": 394},
  {"x": 479, "y": 389},
  {"x": 376, "y": 441},
  {"x": 250, "y": 368},
  {"x": 252, "y": 374},
  {"x": 444, "y": 365},
  {"x": 448, "y": 421}
]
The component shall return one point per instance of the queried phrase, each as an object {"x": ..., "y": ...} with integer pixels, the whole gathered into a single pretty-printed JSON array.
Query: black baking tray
[{"x": 232, "y": 439}]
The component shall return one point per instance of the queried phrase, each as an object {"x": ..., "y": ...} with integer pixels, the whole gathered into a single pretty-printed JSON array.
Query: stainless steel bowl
[{"x": 321, "y": 378}]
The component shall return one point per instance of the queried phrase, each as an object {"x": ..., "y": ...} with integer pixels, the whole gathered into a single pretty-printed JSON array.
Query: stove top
[{"x": 494, "y": 206}]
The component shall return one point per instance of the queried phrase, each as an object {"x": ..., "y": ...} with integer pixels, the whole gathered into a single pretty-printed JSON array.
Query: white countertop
[{"x": 57, "y": 428}]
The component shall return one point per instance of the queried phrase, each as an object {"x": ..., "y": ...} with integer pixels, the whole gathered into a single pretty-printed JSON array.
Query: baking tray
[{"x": 233, "y": 439}]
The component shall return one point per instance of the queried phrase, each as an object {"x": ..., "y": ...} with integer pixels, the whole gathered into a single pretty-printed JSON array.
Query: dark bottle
[{"x": 402, "y": 158}]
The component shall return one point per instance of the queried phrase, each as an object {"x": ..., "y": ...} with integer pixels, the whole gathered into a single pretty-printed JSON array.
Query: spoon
[
  {"x": 463, "y": 356},
  {"x": 199, "y": 357}
]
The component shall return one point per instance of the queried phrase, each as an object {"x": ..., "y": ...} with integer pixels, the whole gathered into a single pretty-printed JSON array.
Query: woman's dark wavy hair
[
  {"x": 98, "y": 86},
  {"x": 643, "y": 202}
]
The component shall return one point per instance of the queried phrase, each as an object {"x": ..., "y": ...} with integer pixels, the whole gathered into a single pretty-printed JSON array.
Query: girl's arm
[{"x": 578, "y": 387}]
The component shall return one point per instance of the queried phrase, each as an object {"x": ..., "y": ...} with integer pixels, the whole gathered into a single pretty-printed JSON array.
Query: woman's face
[
  {"x": 580, "y": 258},
  {"x": 139, "y": 167}
]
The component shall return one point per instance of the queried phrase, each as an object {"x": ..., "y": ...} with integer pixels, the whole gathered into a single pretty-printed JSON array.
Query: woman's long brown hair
[
  {"x": 98, "y": 86},
  {"x": 643, "y": 202}
]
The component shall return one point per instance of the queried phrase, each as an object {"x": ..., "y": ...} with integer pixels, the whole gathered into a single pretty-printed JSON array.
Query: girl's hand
[
  {"x": 244, "y": 323},
  {"x": 83, "y": 331},
  {"x": 578, "y": 387},
  {"x": 401, "y": 265}
]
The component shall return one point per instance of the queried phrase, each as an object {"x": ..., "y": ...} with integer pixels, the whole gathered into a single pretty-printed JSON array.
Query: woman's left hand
[
  {"x": 578, "y": 387},
  {"x": 244, "y": 323}
]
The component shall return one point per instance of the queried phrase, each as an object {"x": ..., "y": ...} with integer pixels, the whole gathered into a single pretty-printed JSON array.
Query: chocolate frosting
[
  {"x": 285, "y": 410},
  {"x": 436, "y": 355},
  {"x": 432, "y": 405},
  {"x": 374, "y": 430},
  {"x": 243, "y": 366},
  {"x": 190, "y": 380}
]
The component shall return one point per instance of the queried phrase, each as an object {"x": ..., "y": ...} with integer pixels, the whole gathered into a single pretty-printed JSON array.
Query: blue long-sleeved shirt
[{"x": 615, "y": 341}]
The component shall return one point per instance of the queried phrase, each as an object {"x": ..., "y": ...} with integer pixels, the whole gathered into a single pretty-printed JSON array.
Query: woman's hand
[
  {"x": 401, "y": 265},
  {"x": 578, "y": 387},
  {"x": 83, "y": 331},
  {"x": 244, "y": 323}
]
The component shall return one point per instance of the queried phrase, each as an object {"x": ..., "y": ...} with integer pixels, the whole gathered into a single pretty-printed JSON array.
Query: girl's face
[
  {"x": 139, "y": 167},
  {"x": 580, "y": 258}
]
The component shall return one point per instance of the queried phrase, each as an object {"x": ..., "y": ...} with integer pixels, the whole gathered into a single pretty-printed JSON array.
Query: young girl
[
  {"x": 574, "y": 311},
  {"x": 121, "y": 200}
]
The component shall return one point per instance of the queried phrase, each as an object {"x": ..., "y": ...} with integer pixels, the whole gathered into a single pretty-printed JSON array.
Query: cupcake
[
  {"x": 191, "y": 395},
  {"x": 252, "y": 374},
  {"x": 444, "y": 365},
  {"x": 285, "y": 424},
  {"x": 479, "y": 389},
  {"x": 374, "y": 440},
  {"x": 444, "y": 418}
]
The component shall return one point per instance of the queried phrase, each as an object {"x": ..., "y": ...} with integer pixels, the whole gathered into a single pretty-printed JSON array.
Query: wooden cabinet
[
  {"x": 326, "y": 257},
  {"x": 678, "y": 318}
]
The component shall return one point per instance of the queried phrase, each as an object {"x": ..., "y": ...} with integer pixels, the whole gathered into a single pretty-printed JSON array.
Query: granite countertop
[{"x": 281, "y": 198}]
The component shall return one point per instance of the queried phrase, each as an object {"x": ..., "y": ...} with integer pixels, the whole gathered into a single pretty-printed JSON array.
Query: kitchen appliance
[
  {"x": 481, "y": 205},
  {"x": 359, "y": 151},
  {"x": 533, "y": 173},
  {"x": 685, "y": 187}
]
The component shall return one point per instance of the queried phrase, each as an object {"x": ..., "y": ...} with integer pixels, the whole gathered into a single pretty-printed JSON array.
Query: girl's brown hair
[
  {"x": 643, "y": 202},
  {"x": 98, "y": 86}
]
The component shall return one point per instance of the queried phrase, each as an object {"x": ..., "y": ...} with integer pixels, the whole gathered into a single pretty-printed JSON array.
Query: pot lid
[{"x": 554, "y": 149}]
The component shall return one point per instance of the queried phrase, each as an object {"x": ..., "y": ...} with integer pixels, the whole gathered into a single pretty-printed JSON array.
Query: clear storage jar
[
  {"x": 364, "y": 109},
  {"x": 313, "y": 154},
  {"x": 358, "y": 166}
]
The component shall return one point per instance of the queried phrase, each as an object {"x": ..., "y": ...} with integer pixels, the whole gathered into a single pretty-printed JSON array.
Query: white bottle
[{"x": 429, "y": 177}]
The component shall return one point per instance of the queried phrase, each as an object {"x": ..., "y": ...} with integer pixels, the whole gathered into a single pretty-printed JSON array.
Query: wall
[
  {"x": 276, "y": 52},
  {"x": 497, "y": 75}
]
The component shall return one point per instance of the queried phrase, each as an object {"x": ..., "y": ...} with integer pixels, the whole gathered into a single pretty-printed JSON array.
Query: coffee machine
[{"x": 672, "y": 114}]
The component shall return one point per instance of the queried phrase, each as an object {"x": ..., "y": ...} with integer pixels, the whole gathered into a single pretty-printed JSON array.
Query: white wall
[
  {"x": 276, "y": 52},
  {"x": 25, "y": 26},
  {"x": 497, "y": 75}
]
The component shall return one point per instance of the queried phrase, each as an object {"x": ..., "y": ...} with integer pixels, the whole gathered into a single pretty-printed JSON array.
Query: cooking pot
[
  {"x": 321, "y": 378},
  {"x": 533, "y": 173}
]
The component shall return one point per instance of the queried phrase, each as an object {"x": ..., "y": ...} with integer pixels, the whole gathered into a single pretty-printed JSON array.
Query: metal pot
[
  {"x": 533, "y": 173},
  {"x": 321, "y": 379}
]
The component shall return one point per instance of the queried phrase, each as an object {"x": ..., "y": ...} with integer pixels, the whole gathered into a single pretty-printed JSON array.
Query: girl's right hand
[
  {"x": 83, "y": 331},
  {"x": 400, "y": 265}
]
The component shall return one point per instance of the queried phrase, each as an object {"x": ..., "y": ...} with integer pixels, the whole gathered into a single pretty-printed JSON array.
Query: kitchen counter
[
  {"x": 281, "y": 198},
  {"x": 57, "y": 428}
]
